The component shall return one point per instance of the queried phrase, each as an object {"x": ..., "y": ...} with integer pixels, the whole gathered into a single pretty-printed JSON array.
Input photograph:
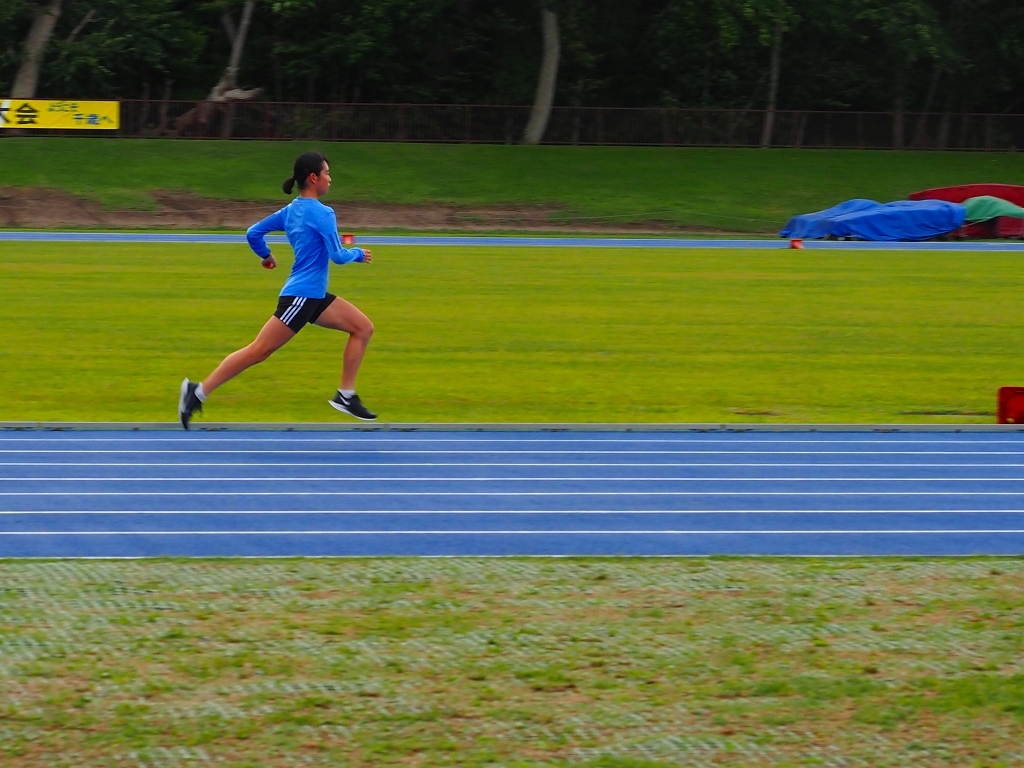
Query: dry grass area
[
  {"x": 610, "y": 663},
  {"x": 47, "y": 208}
]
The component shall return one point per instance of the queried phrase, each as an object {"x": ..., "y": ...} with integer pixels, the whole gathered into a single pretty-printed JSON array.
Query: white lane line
[
  {"x": 512, "y": 493},
  {"x": 676, "y": 438},
  {"x": 533, "y": 532},
  {"x": 512, "y": 479},
  {"x": 376, "y": 451},
  {"x": 498, "y": 512},
  {"x": 642, "y": 464}
]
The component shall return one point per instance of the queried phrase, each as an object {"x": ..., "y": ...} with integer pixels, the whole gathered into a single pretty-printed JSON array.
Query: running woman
[{"x": 312, "y": 230}]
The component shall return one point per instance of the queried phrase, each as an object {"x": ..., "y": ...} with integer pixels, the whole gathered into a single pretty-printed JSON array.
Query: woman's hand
[
  {"x": 270, "y": 262},
  {"x": 367, "y": 256}
]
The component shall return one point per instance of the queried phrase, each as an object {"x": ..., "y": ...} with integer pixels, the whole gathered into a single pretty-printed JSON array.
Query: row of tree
[{"x": 888, "y": 55}]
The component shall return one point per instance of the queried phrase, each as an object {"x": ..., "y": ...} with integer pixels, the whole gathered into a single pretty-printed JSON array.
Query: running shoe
[
  {"x": 353, "y": 406},
  {"x": 188, "y": 403}
]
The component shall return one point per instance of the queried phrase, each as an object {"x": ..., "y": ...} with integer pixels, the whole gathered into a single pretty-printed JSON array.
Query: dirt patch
[{"x": 33, "y": 207}]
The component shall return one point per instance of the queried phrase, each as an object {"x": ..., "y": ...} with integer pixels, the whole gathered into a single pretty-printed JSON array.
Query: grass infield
[
  {"x": 602, "y": 663},
  {"x": 742, "y": 190},
  {"x": 106, "y": 333}
]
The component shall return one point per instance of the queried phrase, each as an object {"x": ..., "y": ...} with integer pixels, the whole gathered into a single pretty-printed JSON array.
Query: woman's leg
[
  {"x": 345, "y": 316},
  {"x": 271, "y": 338}
]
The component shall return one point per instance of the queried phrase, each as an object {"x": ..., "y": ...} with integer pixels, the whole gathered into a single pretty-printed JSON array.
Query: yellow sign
[{"x": 37, "y": 113}]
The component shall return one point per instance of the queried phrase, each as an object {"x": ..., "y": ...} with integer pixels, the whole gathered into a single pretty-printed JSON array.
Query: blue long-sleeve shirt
[{"x": 312, "y": 230}]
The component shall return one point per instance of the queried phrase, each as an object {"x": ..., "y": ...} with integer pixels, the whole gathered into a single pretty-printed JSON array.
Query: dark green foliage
[
  {"x": 912, "y": 55},
  {"x": 110, "y": 48}
]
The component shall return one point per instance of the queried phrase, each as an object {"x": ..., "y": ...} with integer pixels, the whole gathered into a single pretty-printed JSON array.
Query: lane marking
[
  {"x": 575, "y": 532},
  {"x": 206, "y": 438},
  {"x": 512, "y": 493},
  {"x": 570, "y": 512},
  {"x": 373, "y": 451},
  {"x": 943, "y": 465},
  {"x": 581, "y": 455},
  {"x": 512, "y": 479}
]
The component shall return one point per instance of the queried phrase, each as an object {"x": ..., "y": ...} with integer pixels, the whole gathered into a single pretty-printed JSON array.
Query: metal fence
[{"x": 485, "y": 124}]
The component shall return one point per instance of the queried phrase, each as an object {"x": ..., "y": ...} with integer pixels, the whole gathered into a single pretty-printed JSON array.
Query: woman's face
[{"x": 322, "y": 182}]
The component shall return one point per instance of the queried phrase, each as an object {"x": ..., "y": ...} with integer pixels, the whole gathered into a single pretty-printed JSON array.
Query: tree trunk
[
  {"x": 226, "y": 92},
  {"x": 705, "y": 96},
  {"x": 965, "y": 125},
  {"x": 801, "y": 130},
  {"x": 921, "y": 132},
  {"x": 81, "y": 25},
  {"x": 229, "y": 79},
  {"x": 27, "y": 80},
  {"x": 898, "y": 141},
  {"x": 545, "y": 97},
  {"x": 228, "y": 123},
  {"x": 942, "y": 141},
  {"x": 229, "y": 27},
  {"x": 161, "y": 129},
  {"x": 773, "y": 87},
  {"x": 739, "y": 121},
  {"x": 144, "y": 109}
]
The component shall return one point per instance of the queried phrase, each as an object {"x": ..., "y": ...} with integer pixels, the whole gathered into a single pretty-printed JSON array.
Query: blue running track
[
  {"x": 520, "y": 242},
  {"x": 121, "y": 493}
]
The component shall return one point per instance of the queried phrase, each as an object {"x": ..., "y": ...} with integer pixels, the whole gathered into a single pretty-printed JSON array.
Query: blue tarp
[
  {"x": 868, "y": 220},
  {"x": 814, "y": 226}
]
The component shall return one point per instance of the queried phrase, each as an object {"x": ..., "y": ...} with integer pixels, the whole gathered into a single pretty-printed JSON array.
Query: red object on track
[
  {"x": 1009, "y": 192},
  {"x": 347, "y": 238},
  {"x": 797, "y": 244},
  {"x": 1010, "y": 405}
]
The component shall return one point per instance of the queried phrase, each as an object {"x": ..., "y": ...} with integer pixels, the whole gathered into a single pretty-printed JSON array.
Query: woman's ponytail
[{"x": 305, "y": 164}]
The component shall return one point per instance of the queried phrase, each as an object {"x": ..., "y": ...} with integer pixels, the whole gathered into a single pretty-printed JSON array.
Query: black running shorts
[{"x": 296, "y": 311}]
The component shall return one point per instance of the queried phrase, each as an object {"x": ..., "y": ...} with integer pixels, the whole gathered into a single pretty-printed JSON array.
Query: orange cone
[
  {"x": 796, "y": 244},
  {"x": 347, "y": 239}
]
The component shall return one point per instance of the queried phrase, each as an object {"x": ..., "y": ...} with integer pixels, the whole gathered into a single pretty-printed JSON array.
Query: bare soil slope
[{"x": 44, "y": 208}]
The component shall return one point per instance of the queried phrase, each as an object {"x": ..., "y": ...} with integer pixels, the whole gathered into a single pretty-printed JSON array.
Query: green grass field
[
  {"x": 521, "y": 335},
  {"x": 729, "y": 189},
  {"x": 604, "y": 663}
]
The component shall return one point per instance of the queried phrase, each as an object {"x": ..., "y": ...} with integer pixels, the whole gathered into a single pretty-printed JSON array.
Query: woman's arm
[
  {"x": 339, "y": 254},
  {"x": 256, "y": 234}
]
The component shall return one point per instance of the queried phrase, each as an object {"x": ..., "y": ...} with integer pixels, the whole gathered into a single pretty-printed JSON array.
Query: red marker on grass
[{"x": 348, "y": 239}]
